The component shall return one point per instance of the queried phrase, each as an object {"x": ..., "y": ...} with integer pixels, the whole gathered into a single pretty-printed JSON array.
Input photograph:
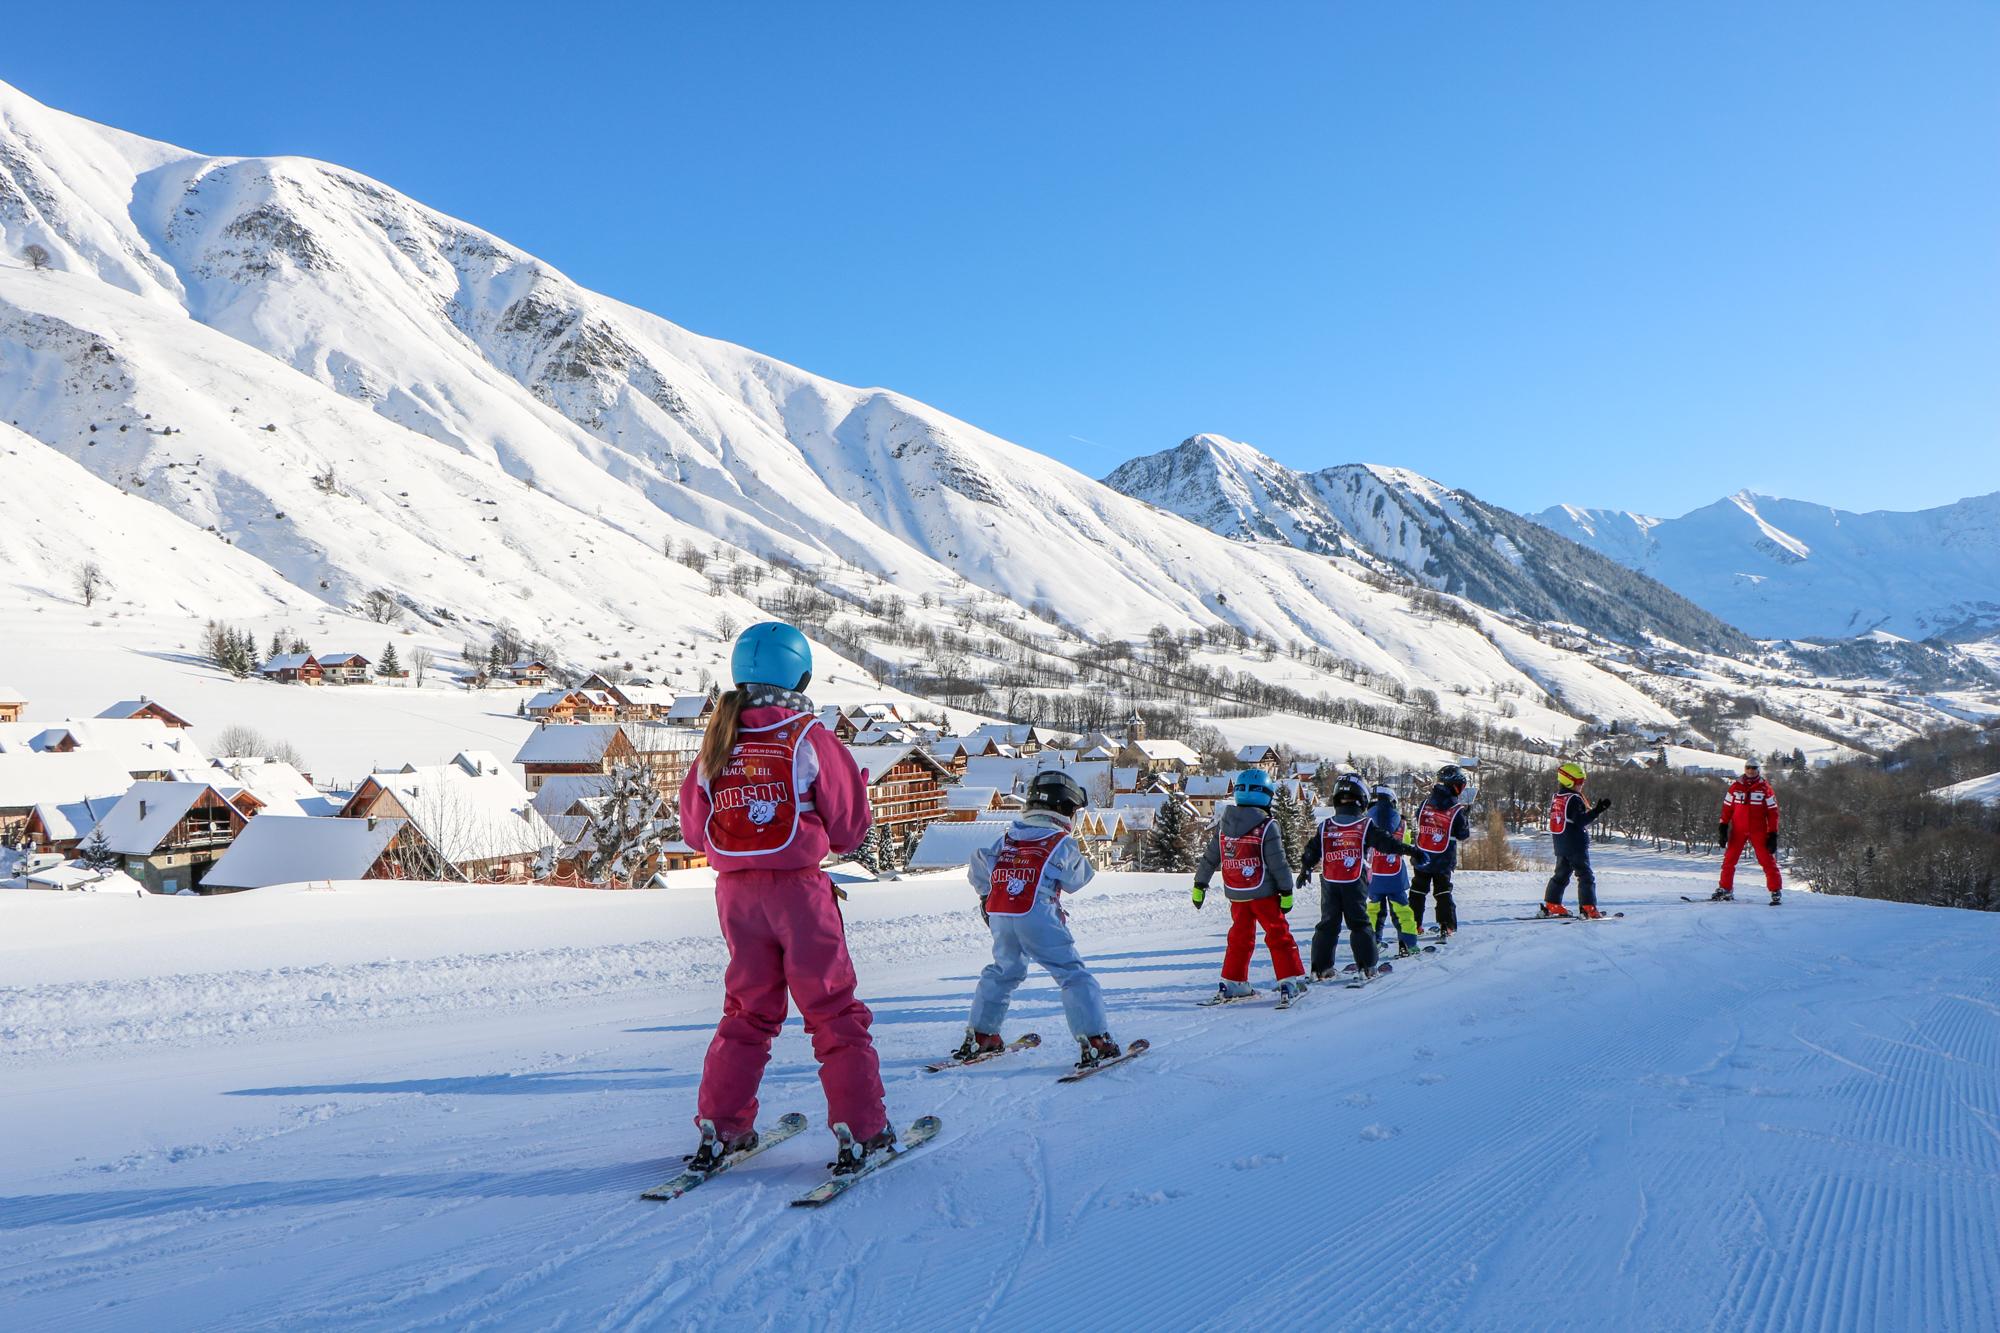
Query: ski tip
[
  {"x": 924, "y": 1126},
  {"x": 1133, "y": 1048},
  {"x": 1028, "y": 1039},
  {"x": 792, "y": 1121}
]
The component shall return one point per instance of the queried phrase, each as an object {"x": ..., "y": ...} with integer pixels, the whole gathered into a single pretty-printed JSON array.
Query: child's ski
[
  {"x": 1608, "y": 916},
  {"x": 1021, "y": 1043},
  {"x": 1220, "y": 998},
  {"x": 1686, "y": 899},
  {"x": 786, "y": 1127},
  {"x": 920, "y": 1132},
  {"x": 1362, "y": 978},
  {"x": 1296, "y": 998},
  {"x": 1421, "y": 948},
  {"x": 1139, "y": 1047}
]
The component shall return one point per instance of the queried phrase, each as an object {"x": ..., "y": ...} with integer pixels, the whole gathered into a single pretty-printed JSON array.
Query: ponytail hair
[{"x": 725, "y": 725}]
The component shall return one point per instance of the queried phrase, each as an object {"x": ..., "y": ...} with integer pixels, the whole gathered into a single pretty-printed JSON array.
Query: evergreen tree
[
  {"x": 1295, "y": 822},
  {"x": 869, "y": 854},
  {"x": 97, "y": 853},
  {"x": 277, "y": 642},
  {"x": 388, "y": 665},
  {"x": 1175, "y": 842}
]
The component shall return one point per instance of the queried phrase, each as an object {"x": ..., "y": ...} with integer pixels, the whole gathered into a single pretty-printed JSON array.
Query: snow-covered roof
[
  {"x": 944, "y": 845},
  {"x": 129, "y": 708},
  {"x": 688, "y": 707},
  {"x": 1166, "y": 751},
  {"x": 1208, "y": 784},
  {"x": 288, "y": 662},
  {"x": 140, "y": 744},
  {"x": 31, "y": 778},
  {"x": 277, "y": 785},
  {"x": 547, "y": 699},
  {"x": 10, "y": 695},
  {"x": 63, "y": 821},
  {"x": 659, "y": 738},
  {"x": 293, "y": 849},
  {"x": 147, "y": 813},
  {"x": 946, "y": 748},
  {"x": 470, "y": 809},
  {"x": 342, "y": 659},
  {"x": 1255, "y": 754},
  {"x": 1147, "y": 800},
  {"x": 76, "y": 877},
  {"x": 563, "y": 790},
  {"x": 568, "y": 743},
  {"x": 877, "y": 760},
  {"x": 969, "y": 798}
]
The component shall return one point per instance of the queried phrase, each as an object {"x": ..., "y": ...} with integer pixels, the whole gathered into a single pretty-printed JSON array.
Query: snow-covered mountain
[
  {"x": 1786, "y": 568},
  {"x": 318, "y": 389},
  {"x": 1443, "y": 538}
]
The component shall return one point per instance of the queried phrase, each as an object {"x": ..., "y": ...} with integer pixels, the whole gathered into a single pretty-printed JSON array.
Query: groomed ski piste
[{"x": 389, "y": 1106}]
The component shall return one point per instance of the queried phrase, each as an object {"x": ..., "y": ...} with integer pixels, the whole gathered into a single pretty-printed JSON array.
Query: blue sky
[{"x": 1630, "y": 255}]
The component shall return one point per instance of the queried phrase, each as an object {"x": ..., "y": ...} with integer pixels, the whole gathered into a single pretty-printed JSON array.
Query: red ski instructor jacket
[{"x": 1750, "y": 807}]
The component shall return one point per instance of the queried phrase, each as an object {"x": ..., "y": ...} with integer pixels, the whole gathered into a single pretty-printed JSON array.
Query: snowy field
[{"x": 397, "y": 1107}]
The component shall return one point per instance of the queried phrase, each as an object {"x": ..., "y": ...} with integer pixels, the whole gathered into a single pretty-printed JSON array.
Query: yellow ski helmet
[{"x": 1570, "y": 775}]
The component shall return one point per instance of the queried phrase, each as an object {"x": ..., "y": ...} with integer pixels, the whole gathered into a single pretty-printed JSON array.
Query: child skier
[
  {"x": 1389, "y": 877},
  {"x": 1442, "y": 824},
  {"x": 1339, "y": 852},
  {"x": 1569, "y": 830},
  {"x": 1021, "y": 879},
  {"x": 1749, "y": 815},
  {"x": 771, "y": 793},
  {"x": 1249, "y": 848}
]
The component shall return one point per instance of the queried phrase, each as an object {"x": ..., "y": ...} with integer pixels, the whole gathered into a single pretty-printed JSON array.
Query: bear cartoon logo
[{"x": 763, "y": 812}]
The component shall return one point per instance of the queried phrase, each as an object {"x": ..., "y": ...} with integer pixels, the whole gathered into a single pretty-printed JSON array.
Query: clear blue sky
[{"x": 1633, "y": 254}]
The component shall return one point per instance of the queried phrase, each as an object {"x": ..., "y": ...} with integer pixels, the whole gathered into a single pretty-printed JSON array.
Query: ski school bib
[
  {"x": 754, "y": 808},
  {"x": 1559, "y": 813},
  {"x": 1341, "y": 848},
  {"x": 1386, "y": 863},
  {"x": 1243, "y": 859},
  {"x": 1016, "y": 880},
  {"x": 1434, "y": 827}
]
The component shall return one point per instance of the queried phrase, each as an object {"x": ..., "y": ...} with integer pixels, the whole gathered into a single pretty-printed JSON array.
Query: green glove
[
  {"x": 1200, "y": 892},
  {"x": 1284, "y": 902}
]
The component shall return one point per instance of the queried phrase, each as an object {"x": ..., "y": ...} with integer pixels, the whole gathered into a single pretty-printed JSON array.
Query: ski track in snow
[{"x": 1696, "y": 1117}]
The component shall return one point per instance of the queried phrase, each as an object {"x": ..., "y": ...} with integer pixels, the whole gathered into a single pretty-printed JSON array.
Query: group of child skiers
[{"x": 773, "y": 794}]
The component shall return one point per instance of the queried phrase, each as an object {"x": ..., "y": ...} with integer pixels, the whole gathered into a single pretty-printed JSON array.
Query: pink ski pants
[{"x": 784, "y": 933}]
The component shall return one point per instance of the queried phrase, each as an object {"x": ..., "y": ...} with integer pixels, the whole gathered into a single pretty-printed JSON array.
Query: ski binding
[
  {"x": 1023, "y": 1042},
  {"x": 920, "y": 1132},
  {"x": 786, "y": 1127},
  {"x": 1139, "y": 1047}
]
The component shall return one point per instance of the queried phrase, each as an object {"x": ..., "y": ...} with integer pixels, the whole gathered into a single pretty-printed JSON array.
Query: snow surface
[{"x": 399, "y": 1106}]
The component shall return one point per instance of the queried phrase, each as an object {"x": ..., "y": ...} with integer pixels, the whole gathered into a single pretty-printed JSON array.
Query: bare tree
[
  {"x": 420, "y": 662},
  {"x": 725, "y": 626},
  {"x": 381, "y": 606},
  {"x": 90, "y": 581},
  {"x": 36, "y": 255},
  {"x": 631, "y": 828}
]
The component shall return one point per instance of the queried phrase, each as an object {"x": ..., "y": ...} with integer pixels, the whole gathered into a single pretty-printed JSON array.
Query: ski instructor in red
[
  {"x": 1749, "y": 815},
  {"x": 771, "y": 793}
]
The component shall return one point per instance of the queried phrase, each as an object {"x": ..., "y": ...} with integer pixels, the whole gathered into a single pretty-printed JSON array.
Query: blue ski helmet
[
  {"x": 1253, "y": 787},
  {"x": 772, "y": 653}
]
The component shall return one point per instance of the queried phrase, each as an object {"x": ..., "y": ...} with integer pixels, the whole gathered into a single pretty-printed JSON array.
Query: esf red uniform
[
  {"x": 1247, "y": 849},
  {"x": 1750, "y": 816}
]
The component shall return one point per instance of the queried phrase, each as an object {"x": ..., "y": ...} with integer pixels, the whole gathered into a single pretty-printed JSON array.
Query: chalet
[
  {"x": 578, "y": 705},
  {"x": 169, "y": 834},
  {"x": 667, "y": 751},
  {"x": 344, "y": 668},
  {"x": 951, "y": 752},
  {"x": 273, "y": 784},
  {"x": 468, "y": 818},
  {"x": 964, "y": 804},
  {"x": 835, "y": 719},
  {"x": 1158, "y": 757},
  {"x": 950, "y": 846},
  {"x": 1205, "y": 791},
  {"x": 293, "y": 669},
  {"x": 528, "y": 671},
  {"x": 296, "y": 849},
  {"x": 1023, "y": 738},
  {"x": 905, "y": 787},
  {"x": 127, "y": 709},
  {"x": 690, "y": 710},
  {"x": 13, "y": 703},
  {"x": 1257, "y": 756},
  {"x": 63, "y": 787},
  {"x": 583, "y": 747},
  {"x": 144, "y": 748}
]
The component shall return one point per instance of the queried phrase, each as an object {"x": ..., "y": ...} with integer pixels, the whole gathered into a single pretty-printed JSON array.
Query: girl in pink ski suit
[{"x": 788, "y": 793}]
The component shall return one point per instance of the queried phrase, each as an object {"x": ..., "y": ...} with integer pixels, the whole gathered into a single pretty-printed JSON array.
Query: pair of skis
[
  {"x": 921, "y": 1131},
  {"x": 1684, "y": 898},
  {"x": 1029, "y": 1040},
  {"x": 1571, "y": 916}
]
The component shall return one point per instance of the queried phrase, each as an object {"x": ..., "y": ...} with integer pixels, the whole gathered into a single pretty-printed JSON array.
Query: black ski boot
[
  {"x": 712, "y": 1150},
  {"x": 1776, "y": 894},
  {"x": 1722, "y": 896},
  {"x": 979, "y": 1043},
  {"x": 851, "y": 1155},
  {"x": 1092, "y": 1049}
]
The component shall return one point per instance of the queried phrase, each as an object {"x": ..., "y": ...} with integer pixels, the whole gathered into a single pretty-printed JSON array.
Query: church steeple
[{"x": 1135, "y": 728}]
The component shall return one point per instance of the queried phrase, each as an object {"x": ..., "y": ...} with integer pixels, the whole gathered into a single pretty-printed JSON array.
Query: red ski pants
[
  {"x": 784, "y": 933},
  {"x": 1737, "y": 838},
  {"x": 1244, "y": 918}
]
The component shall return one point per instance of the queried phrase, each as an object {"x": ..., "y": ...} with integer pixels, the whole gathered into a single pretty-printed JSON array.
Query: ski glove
[
  {"x": 1200, "y": 892},
  {"x": 1722, "y": 834},
  {"x": 1771, "y": 842},
  {"x": 1284, "y": 902},
  {"x": 1603, "y": 804}
]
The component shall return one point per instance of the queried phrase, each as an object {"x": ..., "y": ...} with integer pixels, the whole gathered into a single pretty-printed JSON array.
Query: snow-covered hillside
[
  {"x": 239, "y": 1113},
  {"x": 1786, "y": 568},
  {"x": 1443, "y": 538}
]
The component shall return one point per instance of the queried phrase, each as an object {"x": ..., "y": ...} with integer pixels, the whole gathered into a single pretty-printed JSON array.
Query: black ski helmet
[
  {"x": 1451, "y": 775},
  {"x": 1350, "y": 790},
  {"x": 1053, "y": 789}
]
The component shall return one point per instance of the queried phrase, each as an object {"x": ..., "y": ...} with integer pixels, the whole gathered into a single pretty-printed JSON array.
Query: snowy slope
[
  {"x": 1695, "y": 1117},
  {"x": 1786, "y": 568},
  {"x": 1446, "y": 539}
]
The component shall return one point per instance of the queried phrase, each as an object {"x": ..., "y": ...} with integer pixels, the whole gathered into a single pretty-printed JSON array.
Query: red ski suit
[
  {"x": 782, "y": 923},
  {"x": 1750, "y": 809}
]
